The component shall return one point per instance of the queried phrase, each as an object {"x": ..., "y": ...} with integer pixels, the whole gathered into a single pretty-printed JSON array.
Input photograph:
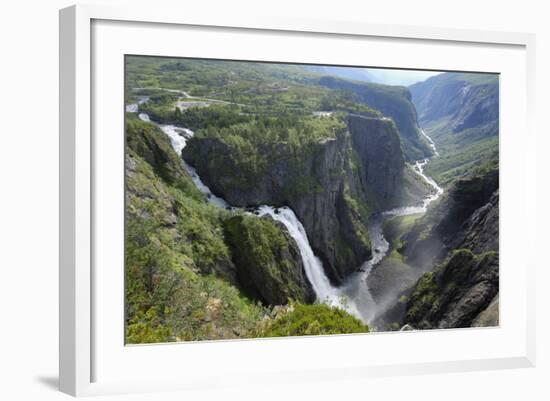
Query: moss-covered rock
[
  {"x": 269, "y": 264},
  {"x": 455, "y": 293}
]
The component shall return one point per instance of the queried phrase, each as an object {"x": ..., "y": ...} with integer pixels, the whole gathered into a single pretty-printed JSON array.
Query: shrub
[{"x": 305, "y": 320}]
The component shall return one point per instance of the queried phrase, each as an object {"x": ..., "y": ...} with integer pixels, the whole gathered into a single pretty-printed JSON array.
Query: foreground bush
[{"x": 307, "y": 320}]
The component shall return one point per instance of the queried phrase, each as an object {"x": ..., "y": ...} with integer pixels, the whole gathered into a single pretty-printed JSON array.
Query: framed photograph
[{"x": 243, "y": 200}]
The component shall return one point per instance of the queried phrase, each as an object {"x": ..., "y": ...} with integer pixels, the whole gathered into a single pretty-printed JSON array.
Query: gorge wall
[
  {"x": 456, "y": 245},
  {"x": 332, "y": 186}
]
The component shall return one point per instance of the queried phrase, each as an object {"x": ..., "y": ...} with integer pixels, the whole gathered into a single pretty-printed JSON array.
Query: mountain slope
[{"x": 460, "y": 112}]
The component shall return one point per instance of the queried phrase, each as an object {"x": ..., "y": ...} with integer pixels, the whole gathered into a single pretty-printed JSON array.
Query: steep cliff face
[
  {"x": 456, "y": 243},
  {"x": 332, "y": 186},
  {"x": 378, "y": 150},
  {"x": 466, "y": 284},
  {"x": 394, "y": 102}
]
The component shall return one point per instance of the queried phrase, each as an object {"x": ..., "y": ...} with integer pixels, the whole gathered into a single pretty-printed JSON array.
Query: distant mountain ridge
[
  {"x": 460, "y": 112},
  {"x": 467, "y": 99}
]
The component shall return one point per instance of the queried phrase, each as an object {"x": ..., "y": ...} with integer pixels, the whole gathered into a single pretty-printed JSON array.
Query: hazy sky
[
  {"x": 399, "y": 77},
  {"x": 378, "y": 75}
]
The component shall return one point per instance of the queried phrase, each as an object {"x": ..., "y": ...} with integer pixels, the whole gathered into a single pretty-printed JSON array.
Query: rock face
[
  {"x": 269, "y": 265},
  {"x": 467, "y": 282},
  {"x": 455, "y": 293},
  {"x": 456, "y": 243},
  {"x": 332, "y": 187},
  {"x": 466, "y": 217},
  {"x": 394, "y": 102},
  {"x": 490, "y": 316},
  {"x": 377, "y": 146}
]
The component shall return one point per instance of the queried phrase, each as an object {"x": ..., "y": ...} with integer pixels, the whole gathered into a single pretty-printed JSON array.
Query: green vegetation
[
  {"x": 257, "y": 88},
  {"x": 179, "y": 272},
  {"x": 215, "y": 116},
  {"x": 460, "y": 158},
  {"x": 150, "y": 143},
  {"x": 249, "y": 150},
  {"x": 359, "y": 214},
  {"x": 307, "y": 320}
]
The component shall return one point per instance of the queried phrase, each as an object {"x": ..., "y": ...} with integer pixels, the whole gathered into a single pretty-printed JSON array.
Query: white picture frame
[{"x": 82, "y": 344}]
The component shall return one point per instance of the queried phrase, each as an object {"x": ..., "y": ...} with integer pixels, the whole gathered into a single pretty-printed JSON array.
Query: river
[
  {"x": 354, "y": 294},
  {"x": 356, "y": 288}
]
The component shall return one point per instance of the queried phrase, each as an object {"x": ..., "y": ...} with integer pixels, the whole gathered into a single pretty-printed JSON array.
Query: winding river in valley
[
  {"x": 355, "y": 288},
  {"x": 354, "y": 294}
]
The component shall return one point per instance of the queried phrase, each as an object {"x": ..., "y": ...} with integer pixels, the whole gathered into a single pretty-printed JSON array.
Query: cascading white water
[
  {"x": 430, "y": 141},
  {"x": 312, "y": 264},
  {"x": 178, "y": 138}
]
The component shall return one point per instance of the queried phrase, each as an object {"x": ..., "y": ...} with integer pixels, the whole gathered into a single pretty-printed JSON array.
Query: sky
[
  {"x": 399, "y": 77},
  {"x": 378, "y": 75}
]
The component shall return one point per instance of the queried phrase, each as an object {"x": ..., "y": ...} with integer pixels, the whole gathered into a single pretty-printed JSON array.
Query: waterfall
[
  {"x": 312, "y": 264},
  {"x": 178, "y": 138}
]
